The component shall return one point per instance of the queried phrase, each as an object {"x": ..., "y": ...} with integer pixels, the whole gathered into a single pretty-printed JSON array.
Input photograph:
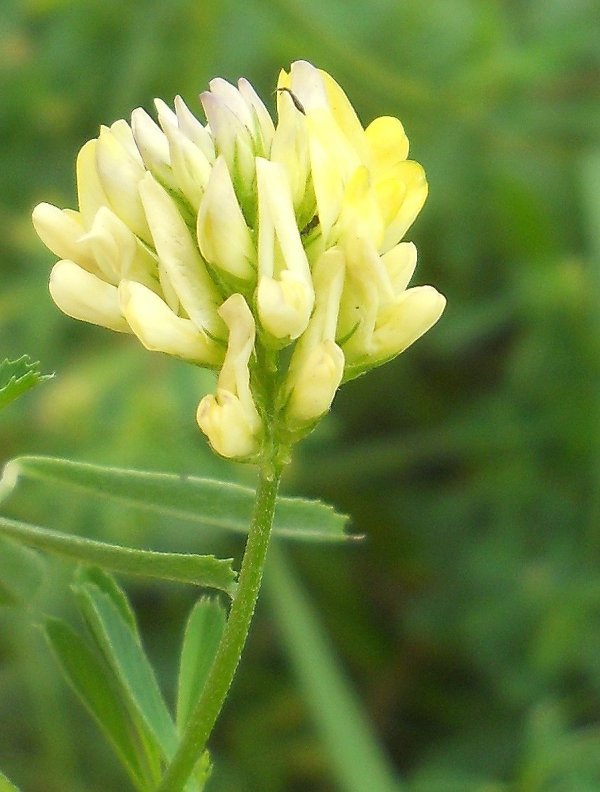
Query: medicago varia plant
[{"x": 270, "y": 252}]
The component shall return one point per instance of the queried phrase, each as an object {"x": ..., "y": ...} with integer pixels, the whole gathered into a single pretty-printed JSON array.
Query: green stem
[{"x": 210, "y": 703}]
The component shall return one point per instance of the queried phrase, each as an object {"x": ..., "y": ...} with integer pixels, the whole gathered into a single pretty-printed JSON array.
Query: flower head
[{"x": 271, "y": 252}]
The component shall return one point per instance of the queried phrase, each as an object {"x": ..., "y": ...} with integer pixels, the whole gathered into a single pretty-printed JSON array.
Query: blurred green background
[{"x": 468, "y": 622}]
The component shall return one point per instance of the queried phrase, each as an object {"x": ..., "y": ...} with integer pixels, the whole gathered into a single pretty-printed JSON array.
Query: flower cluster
[{"x": 255, "y": 249}]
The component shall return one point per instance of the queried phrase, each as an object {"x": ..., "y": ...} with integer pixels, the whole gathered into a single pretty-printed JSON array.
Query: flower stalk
[{"x": 210, "y": 703}]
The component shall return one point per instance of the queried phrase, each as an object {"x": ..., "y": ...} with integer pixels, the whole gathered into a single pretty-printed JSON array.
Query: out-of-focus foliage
[{"x": 468, "y": 621}]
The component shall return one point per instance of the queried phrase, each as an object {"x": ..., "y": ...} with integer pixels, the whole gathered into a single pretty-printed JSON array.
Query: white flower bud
[
  {"x": 90, "y": 192},
  {"x": 120, "y": 173},
  {"x": 233, "y": 139},
  {"x": 285, "y": 294},
  {"x": 284, "y": 305},
  {"x": 400, "y": 263},
  {"x": 118, "y": 252},
  {"x": 317, "y": 364},
  {"x": 316, "y": 382},
  {"x": 404, "y": 321},
  {"x": 191, "y": 168},
  {"x": 160, "y": 330},
  {"x": 230, "y": 419},
  {"x": 194, "y": 130},
  {"x": 262, "y": 123},
  {"x": 180, "y": 258},
  {"x": 223, "y": 236},
  {"x": 61, "y": 230},
  {"x": 86, "y": 297},
  {"x": 153, "y": 147}
]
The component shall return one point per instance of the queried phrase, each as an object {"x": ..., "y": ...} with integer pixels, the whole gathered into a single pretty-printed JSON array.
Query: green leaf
[
  {"x": 182, "y": 567},
  {"x": 219, "y": 504},
  {"x": 6, "y": 785},
  {"x": 21, "y": 572},
  {"x": 356, "y": 757},
  {"x": 202, "y": 635},
  {"x": 123, "y": 652},
  {"x": 91, "y": 681},
  {"x": 17, "y": 377},
  {"x": 106, "y": 583}
]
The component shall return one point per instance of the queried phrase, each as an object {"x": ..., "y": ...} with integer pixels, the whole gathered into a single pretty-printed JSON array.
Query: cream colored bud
[
  {"x": 262, "y": 121},
  {"x": 230, "y": 419},
  {"x": 233, "y": 139},
  {"x": 412, "y": 176},
  {"x": 317, "y": 363},
  {"x": 118, "y": 252},
  {"x": 306, "y": 83},
  {"x": 223, "y": 236},
  {"x": 191, "y": 168},
  {"x": 194, "y": 130},
  {"x": 86, "y": 297},
  {"x": 289, "y": 147},
  {"x": 284, "y": 306},
  {"x": 61, "y": 230},
  {"x": 407, "y": 319},
  {"x": 179, "y": 256},
  {"x": 153, "y": 146},
  {"x": 230, "y": 97},
  {"x": 367, "y": 288},
  {"x": 223, "y": 420},
  {"x": 285, "y": 294},
  {"x": 120, "y": 173},
  {"x": 90, "y": 192},
  {"x": 400, "y": 263},
  {"x": 315, "y": 384},
  {"x": 160, "y": 330}
]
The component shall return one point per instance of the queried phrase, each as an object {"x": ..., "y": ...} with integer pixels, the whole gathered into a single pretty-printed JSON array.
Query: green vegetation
[{"x": 465, "y": 629}]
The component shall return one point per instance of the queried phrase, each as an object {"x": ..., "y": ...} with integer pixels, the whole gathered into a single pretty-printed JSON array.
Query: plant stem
[{"x": 210, "y": 703}]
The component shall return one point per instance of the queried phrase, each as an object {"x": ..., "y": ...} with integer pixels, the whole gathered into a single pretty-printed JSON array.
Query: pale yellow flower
[{"x": 256, "y": 248}]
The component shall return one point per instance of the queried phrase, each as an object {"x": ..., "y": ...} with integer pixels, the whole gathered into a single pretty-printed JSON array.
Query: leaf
[
  {"x": 106, "y": 583},
  {"x": 91, "y": 681},
  {"x": 17, "y": 377},
  {"x": 6, "y": 785},
  {"x": 202, "y": 635},
  {"x": 356, "y": 757},
  {"x": 183, "y": 567},
  {"x": 219, "y": 504},
  {"x": 123, "y": 652},
  {"x": 21, "y": 572}
]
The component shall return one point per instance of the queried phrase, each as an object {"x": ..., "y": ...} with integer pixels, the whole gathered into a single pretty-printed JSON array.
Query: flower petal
[
  {"x": 86, "y": 297},
  {"x": 160, "y": 330},
  {"x": 180, "y": 257}
]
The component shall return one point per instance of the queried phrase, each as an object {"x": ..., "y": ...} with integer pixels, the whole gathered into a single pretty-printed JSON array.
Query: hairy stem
[{"x": 211, "y": 701}]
